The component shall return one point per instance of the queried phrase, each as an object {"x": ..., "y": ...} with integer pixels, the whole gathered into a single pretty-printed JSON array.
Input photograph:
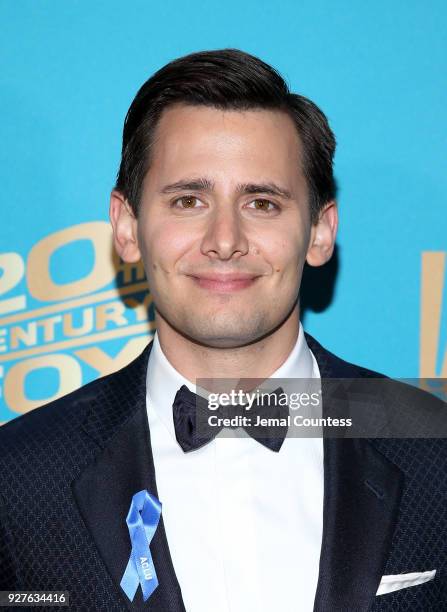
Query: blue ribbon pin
[{"x": 142, "y": 520}]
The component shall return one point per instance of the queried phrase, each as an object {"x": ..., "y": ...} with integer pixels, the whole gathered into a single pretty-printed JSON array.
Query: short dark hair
[{"x": 227, "y": 79}]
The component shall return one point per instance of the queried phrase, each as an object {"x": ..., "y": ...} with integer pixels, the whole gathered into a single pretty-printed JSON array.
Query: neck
[{"x": 257, "y": 360}]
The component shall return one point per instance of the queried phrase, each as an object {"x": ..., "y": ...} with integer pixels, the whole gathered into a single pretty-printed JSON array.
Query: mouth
[{"x": 224, "y": 283}]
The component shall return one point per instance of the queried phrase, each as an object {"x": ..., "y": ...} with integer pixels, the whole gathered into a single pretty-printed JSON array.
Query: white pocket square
[{"x": 388, "y": 584}]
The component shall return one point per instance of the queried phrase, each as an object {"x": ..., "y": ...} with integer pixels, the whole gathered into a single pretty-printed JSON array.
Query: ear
[
  {"x": 322, "y": 237},
  {"x": 124, "y": 226}
]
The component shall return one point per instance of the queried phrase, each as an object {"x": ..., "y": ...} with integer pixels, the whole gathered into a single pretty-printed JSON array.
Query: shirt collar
[{"x": 163, "y": 380}]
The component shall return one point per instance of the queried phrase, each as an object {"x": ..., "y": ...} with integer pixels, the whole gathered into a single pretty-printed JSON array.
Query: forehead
[{"x": 243, "y": 143}]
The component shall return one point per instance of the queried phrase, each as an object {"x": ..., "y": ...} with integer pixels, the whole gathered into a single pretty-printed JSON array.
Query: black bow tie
[{"x": 189, "y": 409}]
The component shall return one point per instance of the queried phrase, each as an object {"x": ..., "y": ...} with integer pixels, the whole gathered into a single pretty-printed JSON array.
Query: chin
[
  {"x": 226, "y": 336},
  {"x": 222, "y": 330}
]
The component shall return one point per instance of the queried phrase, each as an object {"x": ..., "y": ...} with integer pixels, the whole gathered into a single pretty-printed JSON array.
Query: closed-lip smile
[{"x": 225, "y": 282}]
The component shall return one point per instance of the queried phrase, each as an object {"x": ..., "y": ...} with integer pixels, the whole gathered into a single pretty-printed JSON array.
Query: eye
[
  {"x": 186, "y": 202},
  {"x": 263, "y": 205}
]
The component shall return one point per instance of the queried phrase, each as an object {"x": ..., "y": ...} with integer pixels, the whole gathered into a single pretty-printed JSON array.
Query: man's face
[{"x": 224, "y": 224}]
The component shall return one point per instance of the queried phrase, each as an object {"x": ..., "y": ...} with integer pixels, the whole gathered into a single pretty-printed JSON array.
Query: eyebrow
[{"x": 204, "y": 184}]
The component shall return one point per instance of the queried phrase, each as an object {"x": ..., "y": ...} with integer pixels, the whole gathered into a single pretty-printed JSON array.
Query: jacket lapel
[
  {"x": 362, "y": 492},
  {"x": 117, "y": 422}
]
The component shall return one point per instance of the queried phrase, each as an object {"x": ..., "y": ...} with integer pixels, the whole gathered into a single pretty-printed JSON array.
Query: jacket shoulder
[
  {"x": 405, "y": 408},
  {"x": 333, "y": 366},
  {"x": 46, "y": 422},
  {"x": 66, "y": 413}
]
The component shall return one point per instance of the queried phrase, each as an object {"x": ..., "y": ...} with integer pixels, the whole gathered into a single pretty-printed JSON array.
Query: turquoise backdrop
[{"x": 69, "y": 71}]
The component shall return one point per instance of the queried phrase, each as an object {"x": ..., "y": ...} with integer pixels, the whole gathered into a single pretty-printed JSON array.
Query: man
[{"x": 225, "y": 190}]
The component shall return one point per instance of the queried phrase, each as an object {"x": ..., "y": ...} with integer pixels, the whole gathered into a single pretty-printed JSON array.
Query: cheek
[
  {"x": 163, "y": 245},
  {"x": 284, "y": 254}
]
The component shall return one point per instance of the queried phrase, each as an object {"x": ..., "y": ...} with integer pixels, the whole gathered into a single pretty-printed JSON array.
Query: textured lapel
[
  {"x": 117, "y": 422},
  {"x": 362, "y": 492}
]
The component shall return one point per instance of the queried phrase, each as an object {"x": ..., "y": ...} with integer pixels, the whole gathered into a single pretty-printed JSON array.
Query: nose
[{"x": 225, "y": 236}]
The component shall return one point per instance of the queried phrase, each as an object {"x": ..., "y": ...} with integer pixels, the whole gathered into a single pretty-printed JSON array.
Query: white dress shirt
[{"x": 243, "y": 523}]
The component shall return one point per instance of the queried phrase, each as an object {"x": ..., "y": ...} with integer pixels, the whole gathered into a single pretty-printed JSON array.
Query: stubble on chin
[{"x": 223, "y": 331}]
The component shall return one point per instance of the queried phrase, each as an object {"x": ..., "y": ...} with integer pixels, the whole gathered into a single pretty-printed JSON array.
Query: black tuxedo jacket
[{"x": 68, "y": 471}]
